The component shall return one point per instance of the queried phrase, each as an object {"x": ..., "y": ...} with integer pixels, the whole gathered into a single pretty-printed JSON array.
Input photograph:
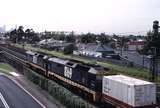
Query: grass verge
[
  {"x": 131, "y": 71},
  {"x": 6, "y": 68}
]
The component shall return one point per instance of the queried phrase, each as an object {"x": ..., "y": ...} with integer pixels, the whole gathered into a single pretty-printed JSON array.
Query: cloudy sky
[{"x": 110, "y": 16}]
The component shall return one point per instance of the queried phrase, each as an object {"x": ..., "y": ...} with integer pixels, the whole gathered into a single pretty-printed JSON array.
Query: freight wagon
[{"x": 128, "y": 92}]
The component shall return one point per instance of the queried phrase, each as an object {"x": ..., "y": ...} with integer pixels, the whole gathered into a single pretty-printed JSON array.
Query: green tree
[
  {"x": 152, "y": 41},
  {"x": 27, "y": 34},
  {"x": 31, "y": 36},
  {"x": 69, "y": 49},
  {"x": 71, "y": 37},
  {"x": 122, "y": 41},
  {"x": 20, "y": 33},
  {"x": 13, "y": 36},
  {"x": 88, "y": 38},
  {"x": 104, "y": 39}
]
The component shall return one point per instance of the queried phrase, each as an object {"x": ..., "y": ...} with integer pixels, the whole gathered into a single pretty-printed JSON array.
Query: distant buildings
[
  {"x": 53, "y": 44},
  {"x": 57, "y": 40},
  {"x": 93, "y": 50},
  {"x": 57, "y": 32},
  {"x": 135, "y": 45}
]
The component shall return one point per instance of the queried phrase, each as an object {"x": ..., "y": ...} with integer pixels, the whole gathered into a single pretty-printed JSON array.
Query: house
[
  {"x": 53, "y": 44},
  {"x": 135, "y": 45},
  {"x": 93, "y": 50}
]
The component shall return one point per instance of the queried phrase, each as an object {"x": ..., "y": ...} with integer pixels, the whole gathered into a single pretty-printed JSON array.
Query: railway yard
[
  {"x": 80, "y": 54},
  {"x": 94, "y": 83}
]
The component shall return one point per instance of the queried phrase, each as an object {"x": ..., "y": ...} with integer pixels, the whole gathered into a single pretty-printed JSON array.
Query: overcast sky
[{"x": 110, "y": 16}]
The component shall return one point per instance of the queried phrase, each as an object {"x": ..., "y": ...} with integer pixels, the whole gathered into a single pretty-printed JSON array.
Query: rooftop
[
  {"x": 94, "y": 47},
  {"x": 136, "y": 43}
]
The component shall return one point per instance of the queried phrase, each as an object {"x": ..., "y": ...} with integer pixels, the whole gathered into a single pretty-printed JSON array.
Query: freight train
[{"x": 84, "y": 78}]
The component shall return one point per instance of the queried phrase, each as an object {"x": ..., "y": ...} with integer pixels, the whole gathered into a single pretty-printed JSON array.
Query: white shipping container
[{"x": 131, "y": 91}]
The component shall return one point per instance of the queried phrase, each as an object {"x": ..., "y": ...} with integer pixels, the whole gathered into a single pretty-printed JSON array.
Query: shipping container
[{"x": 128, "y": 91}]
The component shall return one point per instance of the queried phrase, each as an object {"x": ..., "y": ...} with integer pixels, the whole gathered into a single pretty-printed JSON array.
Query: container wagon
[{"x": 128, "y": 92}]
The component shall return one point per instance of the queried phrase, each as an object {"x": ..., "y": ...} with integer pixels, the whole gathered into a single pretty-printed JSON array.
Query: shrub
[
  {"x": 69, "y": 49},
  {"x": 66, "y": 97}
]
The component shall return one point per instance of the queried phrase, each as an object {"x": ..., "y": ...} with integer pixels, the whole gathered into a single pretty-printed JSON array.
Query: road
[
  {"x": 1, "y": 104},
  {"x": 14, "y": 96}
]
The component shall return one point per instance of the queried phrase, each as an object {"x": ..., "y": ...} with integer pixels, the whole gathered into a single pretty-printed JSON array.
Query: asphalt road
[
  {"x": 1, "y": 104},
  {"x": 14, "y": 96}
]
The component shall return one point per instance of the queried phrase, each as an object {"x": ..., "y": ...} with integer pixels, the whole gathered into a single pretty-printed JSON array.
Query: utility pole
[
  {"x": 154, "y": 50},
  {"x": 143, "y": 60},
  {"x": 153, "y": 64},
  {"x": 122, "y": 45}
]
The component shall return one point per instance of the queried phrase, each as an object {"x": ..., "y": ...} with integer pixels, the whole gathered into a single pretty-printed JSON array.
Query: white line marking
[
  {"x": 43, "y": 106},
  {"x": 14, "y": 74},
  {"x": 3, "y": 101},
  {"x": 29, "y": 94}
]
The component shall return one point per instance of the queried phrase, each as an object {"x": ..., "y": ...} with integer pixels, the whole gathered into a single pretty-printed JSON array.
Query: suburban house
[
  {"x": 93, "y": 50},
  {"x": 135, "y": 45},
  {"x": 53, "y": 44}
]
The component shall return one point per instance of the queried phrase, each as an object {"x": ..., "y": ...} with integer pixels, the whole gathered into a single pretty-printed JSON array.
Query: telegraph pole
[{"x": 154, "y": 50}]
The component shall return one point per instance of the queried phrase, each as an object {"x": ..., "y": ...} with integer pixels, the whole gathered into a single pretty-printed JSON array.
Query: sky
[{"x": 109, "y": 16}]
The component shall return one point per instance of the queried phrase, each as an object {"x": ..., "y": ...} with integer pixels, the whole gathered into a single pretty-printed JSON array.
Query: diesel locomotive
[{"x": 83, "y": 77}]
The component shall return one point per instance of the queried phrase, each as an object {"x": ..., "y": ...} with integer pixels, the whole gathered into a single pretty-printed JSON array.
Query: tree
[
  {"x": 31, "y": 36},
  {"x": 88, "y": 38},
  {"x": 71, "y": 38},
  {"x": 16, "y": 35},
  {"x": 61, "y": 36},
  {"x": 13, "y": 36},
  {"x": 27, "y": 34},
  {"x": 152, "y": 41},
  {"x": 122, "y": 41},
  {"x": 103, "y": 38},
  {"x": 20, "y": 33},
  {"x": 69, "y": 49}
]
